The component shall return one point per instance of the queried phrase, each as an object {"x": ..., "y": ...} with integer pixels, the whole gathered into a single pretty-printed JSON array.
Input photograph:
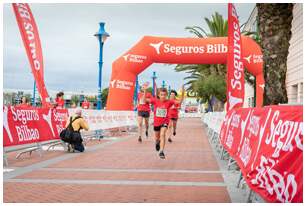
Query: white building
[{"x": 294, "y": 78}]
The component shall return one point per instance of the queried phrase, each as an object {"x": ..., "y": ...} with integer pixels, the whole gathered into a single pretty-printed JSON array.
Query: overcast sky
[{"x": 71, "y": 51}]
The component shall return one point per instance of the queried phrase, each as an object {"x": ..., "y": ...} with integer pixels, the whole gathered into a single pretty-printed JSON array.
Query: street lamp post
[
  {"x": 102, "y": 36},
  {"x": 154, "y": 77},
  {"x": 136, "y": 93},
  {"x": 163, "y": 84}
]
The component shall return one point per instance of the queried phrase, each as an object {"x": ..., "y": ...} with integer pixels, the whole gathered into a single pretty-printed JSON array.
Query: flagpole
[{"x": 34, "y": 91}]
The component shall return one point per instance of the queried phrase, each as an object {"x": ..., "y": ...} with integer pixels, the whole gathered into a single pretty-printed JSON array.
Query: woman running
[
  {"x": 173, "y": 115},
  {"x": 143, "y": 111},
  {"x": 161, "y": 117}
]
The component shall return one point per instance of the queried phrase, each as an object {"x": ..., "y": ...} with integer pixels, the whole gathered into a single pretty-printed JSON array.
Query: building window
[
  {"x": 300, "y": 93},
  {"x": 294, "y": 93}
]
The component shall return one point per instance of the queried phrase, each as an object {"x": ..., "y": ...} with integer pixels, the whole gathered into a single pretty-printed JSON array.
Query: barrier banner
[
  {"x": 30, "y": 125},
  {"x": 267, "y": 144},
  {"x": 107, "y": 119},
  {"x": 235, "y": 68},
  {"x": 31, "y": 41}
]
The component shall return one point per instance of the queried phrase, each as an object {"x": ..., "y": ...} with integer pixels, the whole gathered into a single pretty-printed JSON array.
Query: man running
[
  {"x": 173, "y": 115},
  {"x": 161, "y": 118},
  {"x": 143, "y": 111}
]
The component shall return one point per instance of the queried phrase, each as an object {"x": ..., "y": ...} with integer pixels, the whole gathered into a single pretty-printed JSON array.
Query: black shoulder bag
[{"x": 66, "y": 134}]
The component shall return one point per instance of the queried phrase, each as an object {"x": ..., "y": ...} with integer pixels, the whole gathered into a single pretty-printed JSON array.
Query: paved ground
[{"x": 123, "y": 170}]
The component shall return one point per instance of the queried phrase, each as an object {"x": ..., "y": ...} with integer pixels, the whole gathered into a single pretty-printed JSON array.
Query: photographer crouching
[{"x": 72, "y": 134}]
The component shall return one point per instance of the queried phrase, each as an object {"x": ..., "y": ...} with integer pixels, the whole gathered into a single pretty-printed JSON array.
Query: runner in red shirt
[
  {"x": 161, "y": 118},
  {"x": 85, "y": 104},
  {"x": 173, "y": 115},
  {"x": 143, "y": 111}
]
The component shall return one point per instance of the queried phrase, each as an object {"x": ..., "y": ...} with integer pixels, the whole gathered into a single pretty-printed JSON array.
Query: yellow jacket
[{"x": 77, "y": 124}]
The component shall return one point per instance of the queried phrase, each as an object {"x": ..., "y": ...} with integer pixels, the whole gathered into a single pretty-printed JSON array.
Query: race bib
[{"x": 160, "y": 112}]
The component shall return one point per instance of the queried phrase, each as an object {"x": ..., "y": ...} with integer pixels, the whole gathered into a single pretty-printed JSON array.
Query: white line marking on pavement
[
  {"x": 118, "y": 182},
  {"x": 56, "y": 148},
  {"x": 8, "y": 170},
  {"x": 128, "y": 170}
]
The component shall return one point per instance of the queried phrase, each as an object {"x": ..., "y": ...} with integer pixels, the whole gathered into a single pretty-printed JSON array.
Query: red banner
[
  {"x": 235, "y": 68},
  {"x": 267, "y": 144},
  {"x": 29, "y": 125},
  {"x": 31, "y": 41}
]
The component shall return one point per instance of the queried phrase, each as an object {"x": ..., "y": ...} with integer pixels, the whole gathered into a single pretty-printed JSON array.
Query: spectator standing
[
  {"x": 59, "y": 101},
  {"x": 85, "y": 104}
]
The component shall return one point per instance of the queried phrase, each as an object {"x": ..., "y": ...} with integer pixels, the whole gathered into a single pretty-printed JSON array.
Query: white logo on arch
[{"x": 157, "y": 46}]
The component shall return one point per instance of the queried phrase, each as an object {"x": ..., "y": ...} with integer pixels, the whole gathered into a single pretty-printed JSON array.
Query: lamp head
[{"x": 102, "y": 35}]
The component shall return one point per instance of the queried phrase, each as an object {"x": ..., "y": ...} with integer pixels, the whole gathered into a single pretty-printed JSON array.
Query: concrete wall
[{"x": 294, "y": 79}]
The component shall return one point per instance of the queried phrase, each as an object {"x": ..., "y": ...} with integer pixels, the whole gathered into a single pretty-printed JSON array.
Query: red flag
[
  {"x": 235, "y": 69},
  {"x": 31, "y": 41}
]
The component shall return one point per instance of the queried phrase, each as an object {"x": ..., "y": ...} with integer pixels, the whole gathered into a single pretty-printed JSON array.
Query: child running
[
  {"x": 143, "y": 111},
  {"x": 173, "y": 115},
  {"x": 161, "y": 117}
]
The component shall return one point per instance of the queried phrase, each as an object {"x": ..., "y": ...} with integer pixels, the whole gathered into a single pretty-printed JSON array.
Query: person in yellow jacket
[{"x": 78, "y": 123}]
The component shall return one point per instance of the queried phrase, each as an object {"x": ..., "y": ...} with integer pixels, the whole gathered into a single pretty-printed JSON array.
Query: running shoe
[
  {"x": 174, "y": 133},
  {"x": 139, "y": 139},
  {"x": 162, "y": 155},
  {"x": 170, "y": 140},
  {"x": 147, "y": 133},
  {"x": 157, "y": 145}
]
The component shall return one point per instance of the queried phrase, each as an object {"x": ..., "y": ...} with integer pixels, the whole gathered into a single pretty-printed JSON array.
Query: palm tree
[
  {"x": 274, "y": 21},
  {"x": 217, "y": 27},
  {"x": 201, "y": 75}
]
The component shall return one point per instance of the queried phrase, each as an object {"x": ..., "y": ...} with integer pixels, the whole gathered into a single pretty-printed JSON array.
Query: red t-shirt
[
  {"x": 85, "y": 105},
  {"x": 173, "y": 112},
  {"x": 143, "y": 106},
  {"x": 161, "y": 111},
  {"x": 60, "y": 103},
  {"x": 23, "y": 105}
]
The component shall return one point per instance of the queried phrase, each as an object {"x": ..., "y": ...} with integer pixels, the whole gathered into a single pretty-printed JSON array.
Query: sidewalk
[{"x": 123, "y": 170}]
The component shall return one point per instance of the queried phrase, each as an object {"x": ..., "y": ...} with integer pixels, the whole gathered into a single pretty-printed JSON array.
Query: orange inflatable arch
[{"x": 151, "y": 50}]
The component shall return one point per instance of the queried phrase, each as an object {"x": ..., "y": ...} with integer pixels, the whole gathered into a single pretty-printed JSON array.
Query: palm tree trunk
[{"x": 274, "y": 22}]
